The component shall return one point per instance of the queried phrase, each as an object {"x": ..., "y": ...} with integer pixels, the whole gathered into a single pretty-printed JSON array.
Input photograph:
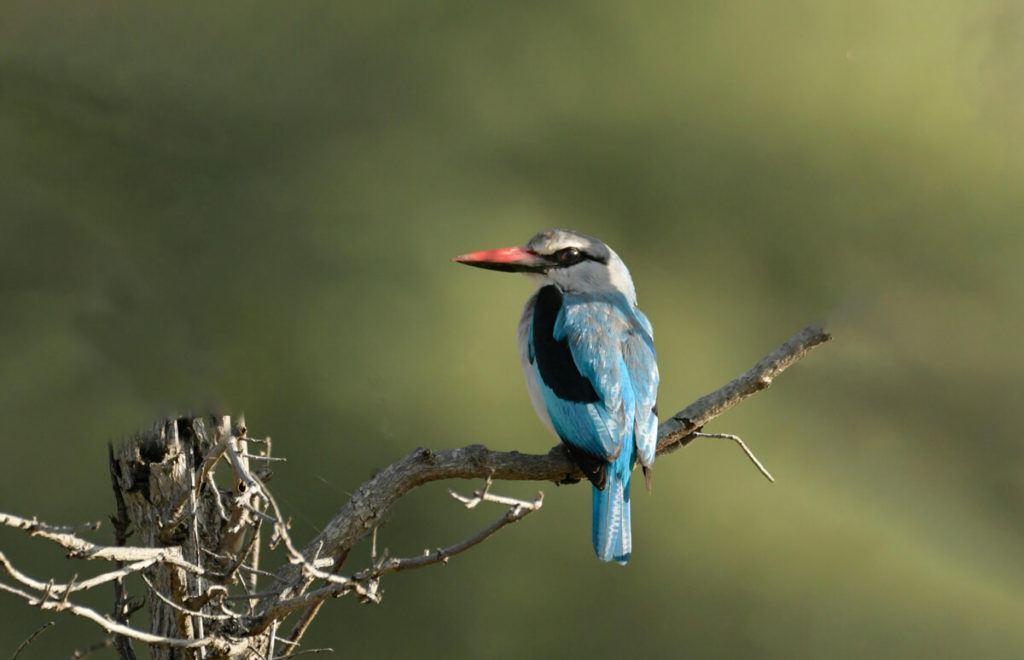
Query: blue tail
[{"x": 610, "y": 531}]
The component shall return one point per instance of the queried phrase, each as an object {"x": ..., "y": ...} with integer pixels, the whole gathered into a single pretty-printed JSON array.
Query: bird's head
[{"x": 573, "y": 261}]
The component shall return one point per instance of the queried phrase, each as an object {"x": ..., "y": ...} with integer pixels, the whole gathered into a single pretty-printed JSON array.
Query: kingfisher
[{"x": 587, "y": 352}]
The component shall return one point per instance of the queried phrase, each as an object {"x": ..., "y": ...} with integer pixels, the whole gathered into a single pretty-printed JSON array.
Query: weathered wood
[{"x": 166, "y": 479}]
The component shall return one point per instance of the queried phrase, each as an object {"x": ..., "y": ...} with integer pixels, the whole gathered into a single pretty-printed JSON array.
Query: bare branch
[
  {"x": 65, "y": 589},
  {"x": 678, "y": 430},
  {"x": 45, "y": 603},
  {"x": 365, "y": 583},
  {"x": 31, "y": 638},
  {"x": 300, "y": 627},
  {"x": 213, "y": 593},
  {"x": 746, "y": 450},
  {"x": 82, "y": 549},
  {"x": 358, "y": 517},
  {"x": 519, "y": 510},
  {"x": 306, "y": 652}
]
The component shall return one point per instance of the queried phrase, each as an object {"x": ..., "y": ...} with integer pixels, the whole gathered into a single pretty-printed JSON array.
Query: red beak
[{"x": 511, "y": 259}]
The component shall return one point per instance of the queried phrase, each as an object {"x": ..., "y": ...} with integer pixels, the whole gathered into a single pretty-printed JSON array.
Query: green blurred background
[{"x": 253, "y": 205}]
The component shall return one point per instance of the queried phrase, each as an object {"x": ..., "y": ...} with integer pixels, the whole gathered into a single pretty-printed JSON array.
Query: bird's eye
[{"x": 569, "y": 256}]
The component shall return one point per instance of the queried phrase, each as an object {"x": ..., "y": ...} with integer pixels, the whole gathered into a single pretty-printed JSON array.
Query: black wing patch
[{"x": 554, "y": 359}]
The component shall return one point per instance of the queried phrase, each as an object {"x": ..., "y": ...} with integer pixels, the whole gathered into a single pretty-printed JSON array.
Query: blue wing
[
  {"x": 641, "y": 362},
  {"x": 597, "y": 372}
]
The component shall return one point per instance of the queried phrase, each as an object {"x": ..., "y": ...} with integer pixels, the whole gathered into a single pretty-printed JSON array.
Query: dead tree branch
[
  {"x": 199, "y": 542},
  {"x": 361, "y": 514},
  {"x": 677, "y": 431}
]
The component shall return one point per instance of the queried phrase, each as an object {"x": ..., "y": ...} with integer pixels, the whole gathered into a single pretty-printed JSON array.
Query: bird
[{"x": 587, "y": 353}]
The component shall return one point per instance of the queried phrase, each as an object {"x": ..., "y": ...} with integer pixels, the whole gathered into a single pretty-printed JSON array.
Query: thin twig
[
  {"x": 306, "y": 652},
  {"x": 31, "y": 638},
  {"x": 273, "y": 638},
  {"x": 217, "y": 500},
  {"x": 98, "y": 646},
  {"x": 112, "y": 626},
  {"x": 193, "y": 500},
  {"x": 250, "y": 544},
  {"x": 260, "y": 457},
  {"x": 302, "y": 625},
  {"x": 181, "y": 608},
  {"x": 519, "y": 510},
  {"x": 82, "y": 549},
  {"x": 746, "y": 450},
  {"x": 65, "y": 589}
]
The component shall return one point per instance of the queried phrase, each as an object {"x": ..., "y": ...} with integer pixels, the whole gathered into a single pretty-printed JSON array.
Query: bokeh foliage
[{"x": 252, "y": 205}]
